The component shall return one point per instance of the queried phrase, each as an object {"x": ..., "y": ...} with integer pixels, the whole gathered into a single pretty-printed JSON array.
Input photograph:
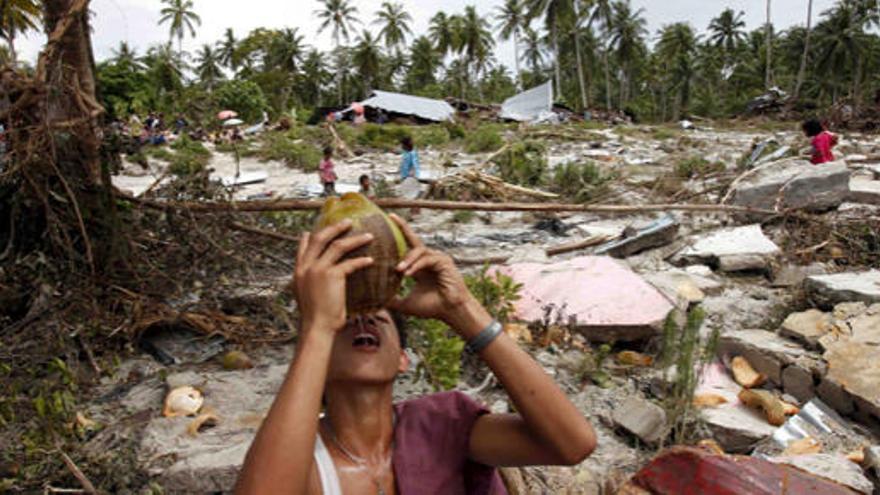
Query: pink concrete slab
[{"x": 606, "y": 300}]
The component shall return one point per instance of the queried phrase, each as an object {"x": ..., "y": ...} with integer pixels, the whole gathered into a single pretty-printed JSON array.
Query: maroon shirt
[{"x": 431, "y": 446}]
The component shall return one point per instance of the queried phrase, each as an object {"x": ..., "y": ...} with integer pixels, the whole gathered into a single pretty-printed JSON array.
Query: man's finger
[
  {"x": 301, "y": 249},
  {"x": 429, "y": 261},
  {"x": 341, "y": 247},
  {"x": 350, "y": 266},
  {"x": 411, "y": 237},
  {"x": 318, "y": 241},
  {"x": 411, "y": 257}
]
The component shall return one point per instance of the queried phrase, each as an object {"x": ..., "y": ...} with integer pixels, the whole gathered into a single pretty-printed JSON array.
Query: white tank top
[{"x": 326, "y": 469}]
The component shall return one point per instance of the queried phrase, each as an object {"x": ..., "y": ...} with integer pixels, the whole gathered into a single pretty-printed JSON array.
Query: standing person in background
[
  {"x": 409, "y": 165},
  {"x": 822, "y": 141},
  {"x": 327, "y": 173},
  {"x": 366, "y": 190}
]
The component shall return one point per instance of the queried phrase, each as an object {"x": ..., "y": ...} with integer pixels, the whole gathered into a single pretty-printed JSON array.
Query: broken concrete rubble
[
  {"x": 793, "y": 184},
  {"x": 640, "y": 238},
  {"x": 678, "y": 287},
  {"x": 828, "y": 290},
  {"x": 641, "y": 418},
  {"x": 865, "y": 191},
  {"x": 830, "y": 467},
  {"x": 595, "y": 294},
  {"x": 736, "y": 428},
  {"x": 853, "y": 368},
  {"x": 807, "y": 327},
  {"x": 731, "y": 250}
]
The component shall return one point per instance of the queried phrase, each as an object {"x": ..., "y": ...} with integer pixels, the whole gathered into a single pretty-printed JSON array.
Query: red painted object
[{"x": 693, "y": 471}]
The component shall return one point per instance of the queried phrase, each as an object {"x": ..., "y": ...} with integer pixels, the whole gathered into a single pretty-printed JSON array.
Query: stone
[
  {"x": 731, "y": 250},
  {"x": 835, "y": 396},
  {"x": 794, "y": 275},
  {"x": 836, "y": 468},
  {"x": 793, "y": 184},
  {"x": 595, "y": 294},
  {"x": 865, "y": 191},
  {"x": 641, "y": 418},
  {"x": 828, "y": 290},
  {"x": 855, "y": 368},
  {"x": 865, "y": 328},
  {"x": 807, "y": 327},
  {"x": 678, "y": 287},
  {"x": 766, "y": 351},
  {"x": 736, "y": 428},
  {"x": 639, "y": 238},
  {"x": 799, "y": 383},
  {"x": 872, "y": 460}
]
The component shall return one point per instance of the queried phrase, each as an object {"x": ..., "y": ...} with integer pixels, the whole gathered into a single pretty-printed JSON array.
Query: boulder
[
  {"x": 641, "y": 418},
  {"x": 864, "y": 190},
  {"x": 793, "y": 184},
  {"x": 836, "y": 468},
  {"x": 828, "y": 290},
  {"x": 731, "y": 250}
]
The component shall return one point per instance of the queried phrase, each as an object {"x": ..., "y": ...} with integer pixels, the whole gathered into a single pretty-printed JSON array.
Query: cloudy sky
[{"x": 135, "y": 21}]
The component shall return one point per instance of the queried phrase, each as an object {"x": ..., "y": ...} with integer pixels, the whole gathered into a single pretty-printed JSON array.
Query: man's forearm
[
  {"x": 550, "y": 416},
  {"x": 280, "y": 459}
]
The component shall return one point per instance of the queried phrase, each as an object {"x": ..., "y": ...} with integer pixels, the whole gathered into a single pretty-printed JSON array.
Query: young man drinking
[{"x": 364, "y": 443}]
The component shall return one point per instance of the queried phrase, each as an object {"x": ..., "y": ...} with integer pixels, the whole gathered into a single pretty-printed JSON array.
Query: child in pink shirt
[
  {"x": 823, "y": 141},
  {"x": 326, "y": 172}
]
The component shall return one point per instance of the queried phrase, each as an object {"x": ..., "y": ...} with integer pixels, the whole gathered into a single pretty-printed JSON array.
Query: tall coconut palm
[
  {"x": 677, "y": 47},
  {"x": 181, "y": 17},
  {"x": 475, "y": 40},
  {"x": 534, "y": 51},
  {"x": 442, "y": 30},
  {"x": 395, "y": 24},
  {"x": 768, "y": 80},
  {"x": 511, "y": 22},
  {"x": 627, "y": 32},
  {"x": 602, "y": 16},
  {"x": 802, "y": 71},
  {"x": 553, "y": 12},
  {"x": 727, "y": 30},
  {"x": 842, "y": 48},
  {"x": 286, "y": 50},
  {"x": 340, "y": 17},
  {"x": 207, "y": 67},
  {"x": 367, "y": 59},
  {"x": 127, "y": 56},
  {"x": 18, "y": 17},
  {"x": 314, "y": 77},
  {"x": 226, "y": 50},
  {"x": 424, "y": 61}
]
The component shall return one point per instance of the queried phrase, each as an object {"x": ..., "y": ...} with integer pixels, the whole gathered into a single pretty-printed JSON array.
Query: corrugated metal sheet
[
  {"x": 529, "y": 105},
  {"x": 425, "y": 108}
]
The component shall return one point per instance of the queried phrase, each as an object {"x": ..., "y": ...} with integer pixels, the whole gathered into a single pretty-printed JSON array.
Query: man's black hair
[
  {"x": 328, "y": 151},
  {"x": 361, "y": 178},
  {"x": 400, "y": 324},
  {"x": 813, "y": 128},
  {"x": 407, "y": 143}
]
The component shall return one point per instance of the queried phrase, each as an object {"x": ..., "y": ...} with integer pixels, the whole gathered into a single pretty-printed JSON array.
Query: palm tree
[
  {"x": 475, "y": 39},
  {"x": 338, "y": 15},
  {"x": 626, "y": 37},
  {"x": 677, "y": 47},
  {"x": 367, "y": 59},
  {"x": 769, "y": 40},
  {"x": 287, "y": 50},
  {"x": 314, "y": 77},
  {"x": 534, "y": 50},
  {"x": 553, "y": 11},
  {"x": 181, "y": 16},
  {"x": 395, "y": 24},
  {"x": 727, "y": 30},
  {"x": 803, "y": 68},
  {"x": 603, "y": 15},
  {"x": 18, "y": 17},
  {"x": 127, "y": 56},
  {"x": 208, "y": 66},
  {"x": 226, "y": 50},
  {"x": 424, "y": 61},
  {"x": 442, "y": 30},
  {"x": 842, "y": 47},
  {"x": 511, "y": 22}
]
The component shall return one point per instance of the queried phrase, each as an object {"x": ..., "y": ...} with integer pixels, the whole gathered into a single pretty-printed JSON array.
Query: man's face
[{"x": 367, "y": 350}]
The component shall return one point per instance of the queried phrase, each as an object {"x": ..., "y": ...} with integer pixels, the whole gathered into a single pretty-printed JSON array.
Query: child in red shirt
[
  {"x": 327, "y": 173},
  {"x": 823, "y": 141}
]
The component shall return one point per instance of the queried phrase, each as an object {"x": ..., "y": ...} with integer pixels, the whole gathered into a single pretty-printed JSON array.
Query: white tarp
[
  {"x": 425, "y": 108},
  {"x": 529, "y": 105}
]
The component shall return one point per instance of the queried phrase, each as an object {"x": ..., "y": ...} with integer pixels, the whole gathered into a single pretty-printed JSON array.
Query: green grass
[
  {"x": 524, "y": 164},
  {"x": 697, "y": 166},
  {"x": 463, "y": 216},
  {"x": 579, "y": 181},
  {"x": 483, "y": 139},
  {"x": 293, "y": 153},
  {"x": 189, "y": 157}
]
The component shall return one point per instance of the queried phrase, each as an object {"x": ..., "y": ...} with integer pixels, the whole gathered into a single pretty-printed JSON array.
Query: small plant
[
  {"x": 497, "y": 293},
  {"x": 485, "y": 138},
  {"x": 455, "y": 131},
  {"x": 580, "y": 181},
  {"x": 189, "y": 157},
  {"x": 463, "y": 216},
  {"x": 385, "y": 137},
  {"x": 593, "y": 366},
  {"x": 697, "y": 166},
  {"x": 523, "y": 164}
]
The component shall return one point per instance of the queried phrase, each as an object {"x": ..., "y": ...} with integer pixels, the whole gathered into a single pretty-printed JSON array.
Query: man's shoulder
[{"x": 454, "y": 404}]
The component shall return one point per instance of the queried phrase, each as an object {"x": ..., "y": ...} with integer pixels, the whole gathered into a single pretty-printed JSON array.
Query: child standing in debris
[
  {"x": 409, "y": 165},
  {"x": 823, "y": 141},
  {"x": 327, "y": 173},
  {"x": 366, "y": 190}
]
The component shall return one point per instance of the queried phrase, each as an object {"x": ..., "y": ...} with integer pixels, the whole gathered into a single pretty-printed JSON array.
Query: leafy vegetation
[
  {"x": 484, "y": 138},
  {"x": 292, "y": 152},
  {"x": 463, "y": 216},
  {"x": 188, "y": 157},
  {"x": 697, "y": 166},
  {"x": 524, "y": 163},
  {"x": 579, "y": 181}
]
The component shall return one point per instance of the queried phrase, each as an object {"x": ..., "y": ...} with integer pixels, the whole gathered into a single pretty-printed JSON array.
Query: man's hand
[
  {"x": 440, "y": 292},
  {"x": 319, "y": 280}
]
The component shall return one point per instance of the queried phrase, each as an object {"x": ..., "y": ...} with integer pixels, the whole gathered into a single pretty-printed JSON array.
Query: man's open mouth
[{"x": 365, "y": 337}]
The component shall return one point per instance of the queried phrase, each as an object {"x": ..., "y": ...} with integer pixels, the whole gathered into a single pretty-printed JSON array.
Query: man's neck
[{"x": 362, "y": 419}]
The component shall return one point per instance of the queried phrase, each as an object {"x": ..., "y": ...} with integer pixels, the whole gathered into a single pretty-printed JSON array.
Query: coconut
[{"x": 371, "y": 288}]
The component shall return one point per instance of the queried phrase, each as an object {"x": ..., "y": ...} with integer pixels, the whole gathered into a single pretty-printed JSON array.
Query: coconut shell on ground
[{"x": 373, "y": 287}]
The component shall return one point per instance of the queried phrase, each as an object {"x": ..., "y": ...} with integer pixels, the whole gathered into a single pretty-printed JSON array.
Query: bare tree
[
  {"x": 768, "y": 34},
  {"x": 803, "y": 69}
]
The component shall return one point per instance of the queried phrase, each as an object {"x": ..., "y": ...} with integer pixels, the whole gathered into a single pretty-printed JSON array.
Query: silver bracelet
[{"x": 484, "y": 338}]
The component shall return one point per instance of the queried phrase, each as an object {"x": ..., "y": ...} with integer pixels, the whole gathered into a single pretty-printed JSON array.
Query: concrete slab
[
  {"x": 594, "y": 293},
  {"x": 793, "y": 183},
  {"x": 864, "y": 190},
  {"x": 733, "y": 249},
  {"x": 828, "y": 290}
]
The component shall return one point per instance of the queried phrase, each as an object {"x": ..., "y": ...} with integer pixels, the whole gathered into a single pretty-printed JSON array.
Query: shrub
[
  {"x": 697, "y": 166},
  {"x": 383, "y": 137},
  {"x": 189, "y": 157},
  {"x": 456, "y": 131},
  {"x": 581, "y": 181},
  {"x": 293, "y": 153},
  {"x": 483, "y": 139},
  {"x": 524, "y": 163},
  {"x": 245, "y": 97},
  {"x": 463, "y": 216}
]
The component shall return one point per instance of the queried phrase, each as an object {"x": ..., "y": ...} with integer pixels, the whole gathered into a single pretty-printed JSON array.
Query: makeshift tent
[
  {"x": 416, "y": 106},
  {"x": 534, "y": 104}
]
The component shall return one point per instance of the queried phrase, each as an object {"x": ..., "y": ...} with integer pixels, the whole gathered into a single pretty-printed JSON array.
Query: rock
[
  {"x": 640, "y": 238},
  {"x": 855, "y": 368},
  {"x": 798, "y": 382},
  {"x": 678, "y": 287},
  {"x": 595, "y": 294},
  {"x": 835, "y": 396},
  {"x": 807, "y": 327},
  {"x": 731, "y": 250},
  {"x": 866, "y": 191},
  {"x": 793, "y": 184},
  {"x": 767, "y": 352},
  {"x": 828, "y": 290},
  {"x": 865, "y": 327},
  {"x": 794, "y": 275},
  {"x": 836, "y": 468},
  {"x": 736, "y": 428},
  {"x": 872, "y": 460},
  {"x": 641, "y": 418}
]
